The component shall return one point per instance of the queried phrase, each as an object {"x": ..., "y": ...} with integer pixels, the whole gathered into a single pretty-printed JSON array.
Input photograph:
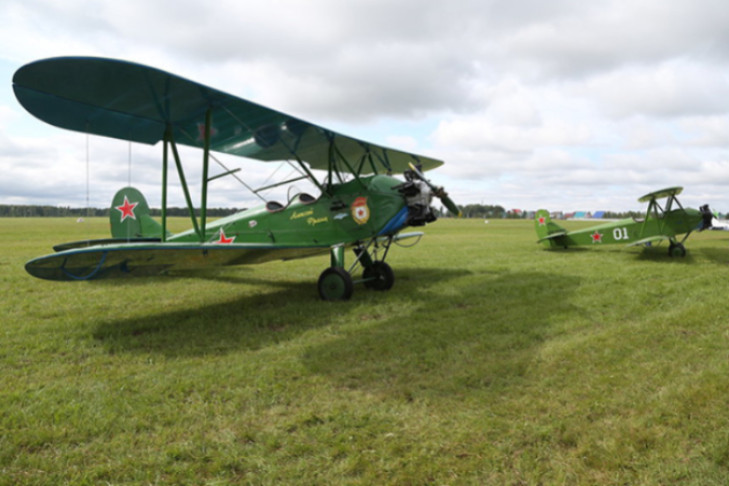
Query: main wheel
[
  {"x": 378, "y": 276},
  {"x": 677, "y": 250},
  {"x": 335, "y": 284}
]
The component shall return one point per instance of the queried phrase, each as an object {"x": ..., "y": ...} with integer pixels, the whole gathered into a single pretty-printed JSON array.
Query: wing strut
[
  {"x": 206, "y": 164},
  {"x": 655, "y": 207},
  {"x": 344, "y": 160},
  {"x": 291, "y": 149},
  {"x": 171, "y": 141},
  {"x": 165, "y": 158}
]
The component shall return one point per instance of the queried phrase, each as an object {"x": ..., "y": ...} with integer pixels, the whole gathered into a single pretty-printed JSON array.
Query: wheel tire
[
  {"x": 677, "y": 250},
  {"x": 379, "y": 276},
  {"x": 335, "y": 284}
]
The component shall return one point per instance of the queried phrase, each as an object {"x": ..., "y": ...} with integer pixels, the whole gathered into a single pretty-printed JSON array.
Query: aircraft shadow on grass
[
  {"x": 253, "y": 321},
  {"x": 657, "y": 254},
  {"x": 490, "y": 339},
  {"x": 654, "y": 253},
  {"x": 715, "y": 255}
]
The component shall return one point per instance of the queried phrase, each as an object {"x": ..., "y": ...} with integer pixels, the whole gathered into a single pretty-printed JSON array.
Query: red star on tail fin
[{"x": 127, "y": 209}]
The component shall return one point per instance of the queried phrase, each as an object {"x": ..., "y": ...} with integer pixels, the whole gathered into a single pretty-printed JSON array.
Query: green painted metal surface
[
  {"x": 300, "y": 228},
  {"x": 142, "y": 104},
  {"x": 133, "y": 102},
  {"x": 657, "y": 225}
]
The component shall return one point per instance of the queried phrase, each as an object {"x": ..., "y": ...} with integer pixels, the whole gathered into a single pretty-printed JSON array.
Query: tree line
[{"x": 479, "y": 211}]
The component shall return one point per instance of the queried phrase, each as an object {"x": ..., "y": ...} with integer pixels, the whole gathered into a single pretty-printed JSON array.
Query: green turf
[{"x": 491, "y": 361}]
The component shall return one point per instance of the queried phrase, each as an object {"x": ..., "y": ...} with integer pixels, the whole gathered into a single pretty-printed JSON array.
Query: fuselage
[
  {"x": 356, "y": 210},
  {"x": 671, "y": 223}
]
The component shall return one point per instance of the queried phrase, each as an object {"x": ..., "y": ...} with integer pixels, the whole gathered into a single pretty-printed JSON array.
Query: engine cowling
[{"x": 418, "y": 197}]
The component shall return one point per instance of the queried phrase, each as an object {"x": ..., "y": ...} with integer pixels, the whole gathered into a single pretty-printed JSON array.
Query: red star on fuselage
[
  {"x": 223, "y": 240},
  {"x": 596, "y": 237},
  {"x": 127, "y": 209}
]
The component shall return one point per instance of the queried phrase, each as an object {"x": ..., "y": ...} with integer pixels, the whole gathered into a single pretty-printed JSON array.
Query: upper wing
[
  {"x": 671, "y": 191},
  {"x": 134, "y": 102}
]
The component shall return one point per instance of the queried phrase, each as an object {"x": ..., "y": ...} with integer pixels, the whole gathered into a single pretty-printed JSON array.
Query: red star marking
[
  {"x": 127, "y": 209},
  {"x": 201, "y": 132},
  {"x": 223, "y": 240},
  {"x": 597, "y": 237},
  {"x": 542, "y": 221}
]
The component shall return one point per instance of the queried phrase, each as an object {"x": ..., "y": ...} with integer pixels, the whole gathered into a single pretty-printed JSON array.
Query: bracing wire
[
  {"x": 88, "y": 177},
  {"x": 129, "y": 176}
]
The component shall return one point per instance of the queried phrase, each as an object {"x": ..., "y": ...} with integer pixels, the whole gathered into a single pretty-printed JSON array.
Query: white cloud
[
  {"x": 668, "y": 89},
  {"x": 566, "y": 104}
]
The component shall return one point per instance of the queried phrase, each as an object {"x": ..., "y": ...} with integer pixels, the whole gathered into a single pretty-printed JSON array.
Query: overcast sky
[{"x": 563, "y": 104}]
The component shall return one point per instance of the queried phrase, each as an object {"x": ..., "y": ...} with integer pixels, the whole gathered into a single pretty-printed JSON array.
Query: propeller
[
  {"x": 706, "y": 217},
  {"x": 439, "y": 192}
]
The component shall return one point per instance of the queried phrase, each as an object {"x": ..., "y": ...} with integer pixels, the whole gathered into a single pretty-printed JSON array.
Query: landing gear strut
[
  {"x": 378, "y": 276},
  {"x": 676, "y": 249},
  {"x": 336, "y": 283}
]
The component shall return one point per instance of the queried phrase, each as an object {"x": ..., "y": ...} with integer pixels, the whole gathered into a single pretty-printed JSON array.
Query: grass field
[{"x": 491, "y": 361}]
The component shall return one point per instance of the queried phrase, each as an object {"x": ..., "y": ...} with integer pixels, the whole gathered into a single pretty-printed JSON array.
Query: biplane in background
[
  {"x": 659, "y": 224},
  {"x": 360, "y": 204}
]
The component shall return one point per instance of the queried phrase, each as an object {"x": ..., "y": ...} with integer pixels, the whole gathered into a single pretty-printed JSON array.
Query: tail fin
[
  {"x": 549, "y": 233},
  {"x": 129, "y": 216}
]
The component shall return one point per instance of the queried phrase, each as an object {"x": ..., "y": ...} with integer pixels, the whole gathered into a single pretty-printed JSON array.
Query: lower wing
[
  {"x": 144, "y": 259},
  {"x": 650, "y": 239}
]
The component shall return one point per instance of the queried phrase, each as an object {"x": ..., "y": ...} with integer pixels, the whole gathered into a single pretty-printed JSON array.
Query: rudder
[
  {"x": 129, "y": 216},
  {"x": 548, "y": 233}
]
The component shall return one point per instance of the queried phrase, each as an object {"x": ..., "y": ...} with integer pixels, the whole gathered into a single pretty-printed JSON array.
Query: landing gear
[
  {"x": 335, "y": 284},
  {"x": 676, "y": 249},
  {"x": 378, "y": 276}
]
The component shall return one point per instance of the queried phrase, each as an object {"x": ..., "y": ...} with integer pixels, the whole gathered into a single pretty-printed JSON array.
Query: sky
[{"x": 562, "y": 104}]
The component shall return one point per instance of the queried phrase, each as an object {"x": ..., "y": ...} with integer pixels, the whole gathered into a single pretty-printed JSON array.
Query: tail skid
[{"x": 129, "y": 216}]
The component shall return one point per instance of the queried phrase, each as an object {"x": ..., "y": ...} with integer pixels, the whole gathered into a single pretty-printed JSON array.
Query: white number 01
[{"x": 620, "y": 233}]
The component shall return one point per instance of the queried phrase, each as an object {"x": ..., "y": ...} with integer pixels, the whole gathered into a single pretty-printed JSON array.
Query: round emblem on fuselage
[{"x": 360, "y": 210}]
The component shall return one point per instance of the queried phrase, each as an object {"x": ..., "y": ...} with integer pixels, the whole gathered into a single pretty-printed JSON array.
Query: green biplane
[
  {"x": 360, "y": 205},
  {"x": 659, "y": 224}
]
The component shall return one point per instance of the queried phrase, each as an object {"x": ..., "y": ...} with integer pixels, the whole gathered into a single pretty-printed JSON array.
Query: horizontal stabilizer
[
  {"x": 552, "y": 236},
  {"x": 103, "y": 241}
]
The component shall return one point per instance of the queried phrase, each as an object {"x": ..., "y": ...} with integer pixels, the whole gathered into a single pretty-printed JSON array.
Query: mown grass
[{"x": 491, "y": 361}]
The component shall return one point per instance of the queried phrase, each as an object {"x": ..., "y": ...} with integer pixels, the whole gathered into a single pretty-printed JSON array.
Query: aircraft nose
[
  {"x": 439, "y": 192},
  {"x": 706, "y": 217}
]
